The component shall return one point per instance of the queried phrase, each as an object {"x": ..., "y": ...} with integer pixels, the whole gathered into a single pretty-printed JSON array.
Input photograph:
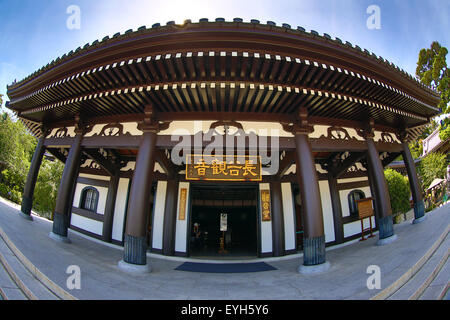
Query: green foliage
[
  {"x": 444, "y": 129},
  {"x": 432, "y": 71},
  {"x": 45, "y": 192},
  {"x": 433, "y": 166},
  {"x": 399, "y": 193},
  {"x": 16, "y": 151}
]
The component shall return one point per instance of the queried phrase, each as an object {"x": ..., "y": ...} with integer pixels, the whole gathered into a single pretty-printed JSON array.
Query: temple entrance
[{"x": 224, "y": 221}]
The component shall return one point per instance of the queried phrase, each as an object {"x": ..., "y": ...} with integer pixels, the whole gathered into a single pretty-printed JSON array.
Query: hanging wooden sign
[
  {"x": 182, "y": 207},
  {"x": 265, "y": 205},
  {"x": 221, "y": 168}
]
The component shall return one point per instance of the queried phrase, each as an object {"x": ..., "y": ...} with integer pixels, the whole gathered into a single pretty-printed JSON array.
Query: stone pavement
[{"x": 102, "y": 279}]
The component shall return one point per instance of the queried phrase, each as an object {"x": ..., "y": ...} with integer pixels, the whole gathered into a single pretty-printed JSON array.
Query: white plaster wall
[
  {"x": 353, "y": 228},
  {"x": 288, "y": 215},
  {"x": 158, "y": 215},
  {"x": 120, "y": 209},
  {"x": 102, "y": 194},
  {"x": 352, "y": 180},
  {"x": 92, "y": 176},
  {"x": 327, "y": 211},
  {"x": 266, "y": 226},
  {"x": 181, "y": 227},
  {"x": 87, "y": 224},
  {"x": 192, "y": 127}
]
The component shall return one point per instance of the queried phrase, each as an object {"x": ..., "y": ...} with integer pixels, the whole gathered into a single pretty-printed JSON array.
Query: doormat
[{"x": 225, "y": 267}]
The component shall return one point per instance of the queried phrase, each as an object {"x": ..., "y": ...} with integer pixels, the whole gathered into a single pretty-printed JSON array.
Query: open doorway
[{"x": 224, "y": 221}]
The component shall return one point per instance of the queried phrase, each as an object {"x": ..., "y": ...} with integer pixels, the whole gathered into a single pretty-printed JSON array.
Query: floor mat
[{"x": 225, "y": 267}]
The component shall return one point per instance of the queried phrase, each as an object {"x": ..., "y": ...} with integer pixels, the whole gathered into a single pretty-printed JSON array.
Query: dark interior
[{"x": 240, "y": 205}]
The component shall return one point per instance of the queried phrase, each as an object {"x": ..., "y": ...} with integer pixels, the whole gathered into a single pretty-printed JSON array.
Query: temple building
[{"x": 261, "y": 137}]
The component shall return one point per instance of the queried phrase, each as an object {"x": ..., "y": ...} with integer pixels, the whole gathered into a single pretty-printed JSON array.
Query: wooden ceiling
[{"x": 210, "y": 70}]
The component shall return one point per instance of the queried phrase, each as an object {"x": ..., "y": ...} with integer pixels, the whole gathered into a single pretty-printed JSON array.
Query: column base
[
  {"x": 134, "y": 268},
  {"x": 135, "y": 250},
  {"x": 419, "y": 210},
  {"x": 419, "y": 220},
  {"x": 385, "y": 227},
  {"x": 313, "y": 251},
  {"x": 318, "y": 268},
  {"x": 58, "y": 237},
  {"x": 26, "y": 216},
  {"x": 382, "y": 242}
]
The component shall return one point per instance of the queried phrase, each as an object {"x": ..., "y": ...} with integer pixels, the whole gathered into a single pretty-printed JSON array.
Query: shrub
[{"x": 399, "y": 192}]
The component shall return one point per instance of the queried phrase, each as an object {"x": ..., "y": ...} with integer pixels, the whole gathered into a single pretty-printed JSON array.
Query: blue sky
[{"x": 33, "y": 33}]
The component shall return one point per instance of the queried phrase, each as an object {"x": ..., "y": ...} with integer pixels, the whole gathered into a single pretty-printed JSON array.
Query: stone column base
[
  {"x": 26, "y": 216},
  {"x": 382, "y": 242},
  {"x": 58, "y": 237},
  {"x": 134, "y": 268},
  {"x": 419, "y": 210},
  {"x": 385, "y": 227},
  {"x": 26, "y": 206},
  {"x": 419, "y": 220},
  {"x": 135, "y": 250},
  {"x": 318, "y": 268},
  {"x": 313, "y": 251}
]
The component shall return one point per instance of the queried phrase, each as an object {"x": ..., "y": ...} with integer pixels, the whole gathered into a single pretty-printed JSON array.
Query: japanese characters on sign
[
  {"x": 221, "y": 168},
  {"x": 182, "y": 207},
  {"x": 223, "y": 222},
  {"x": 265, "y": 205}
]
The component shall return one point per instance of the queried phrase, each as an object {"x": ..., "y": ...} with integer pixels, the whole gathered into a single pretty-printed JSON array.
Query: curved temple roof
[{"x": 210, "y": 70}]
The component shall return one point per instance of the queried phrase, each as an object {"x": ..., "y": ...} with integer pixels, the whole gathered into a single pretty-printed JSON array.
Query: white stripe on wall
[
  {"x": 158, "y": 215},
  {"x": 120, "y": 209},
  {"x": 288, "y": 213}
]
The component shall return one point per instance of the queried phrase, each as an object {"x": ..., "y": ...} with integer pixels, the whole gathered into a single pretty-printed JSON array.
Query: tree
[
  {"x": 433, "y": 166},
  {"x": 432, "y": 71},
  {"x": 44, "y": 198}
]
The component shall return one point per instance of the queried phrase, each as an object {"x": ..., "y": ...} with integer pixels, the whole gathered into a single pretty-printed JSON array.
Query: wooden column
[
  {"x": 109, "y": 208},
  {"x": 383, "y": 202},
  {"x": 27, "y": 198},
  {"x": 170, "y": 218},
  {"x": 135, "y": 246},
  {"x": 278, "y": 244},
  {"x": 61, "y": 219},
  {"x": 313, "y": 236},
  {"x": 416, "y": 190},
  {"x": 337, "y": 209}
]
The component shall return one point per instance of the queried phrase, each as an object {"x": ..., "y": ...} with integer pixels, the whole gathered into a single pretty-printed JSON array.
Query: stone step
[
  {"x": 416, "y": 285},
  {"x": 8, "y": 288},
  {"x": 23, "y": 280},
  {"x": 438, "y": 287}
]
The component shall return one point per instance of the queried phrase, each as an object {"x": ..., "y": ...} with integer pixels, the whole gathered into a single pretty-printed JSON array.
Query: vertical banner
[
  {"x": 223, "y": 222},
  {"x": 265, "y": 202},
  {"x": 182, "y": 208}
]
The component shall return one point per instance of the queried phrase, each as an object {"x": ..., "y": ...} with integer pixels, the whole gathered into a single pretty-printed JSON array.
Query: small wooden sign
[
  {"x": 265, "y": 205},
  {"x": 182, "y": 207},
  {"x": 365, "y": 208}
]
